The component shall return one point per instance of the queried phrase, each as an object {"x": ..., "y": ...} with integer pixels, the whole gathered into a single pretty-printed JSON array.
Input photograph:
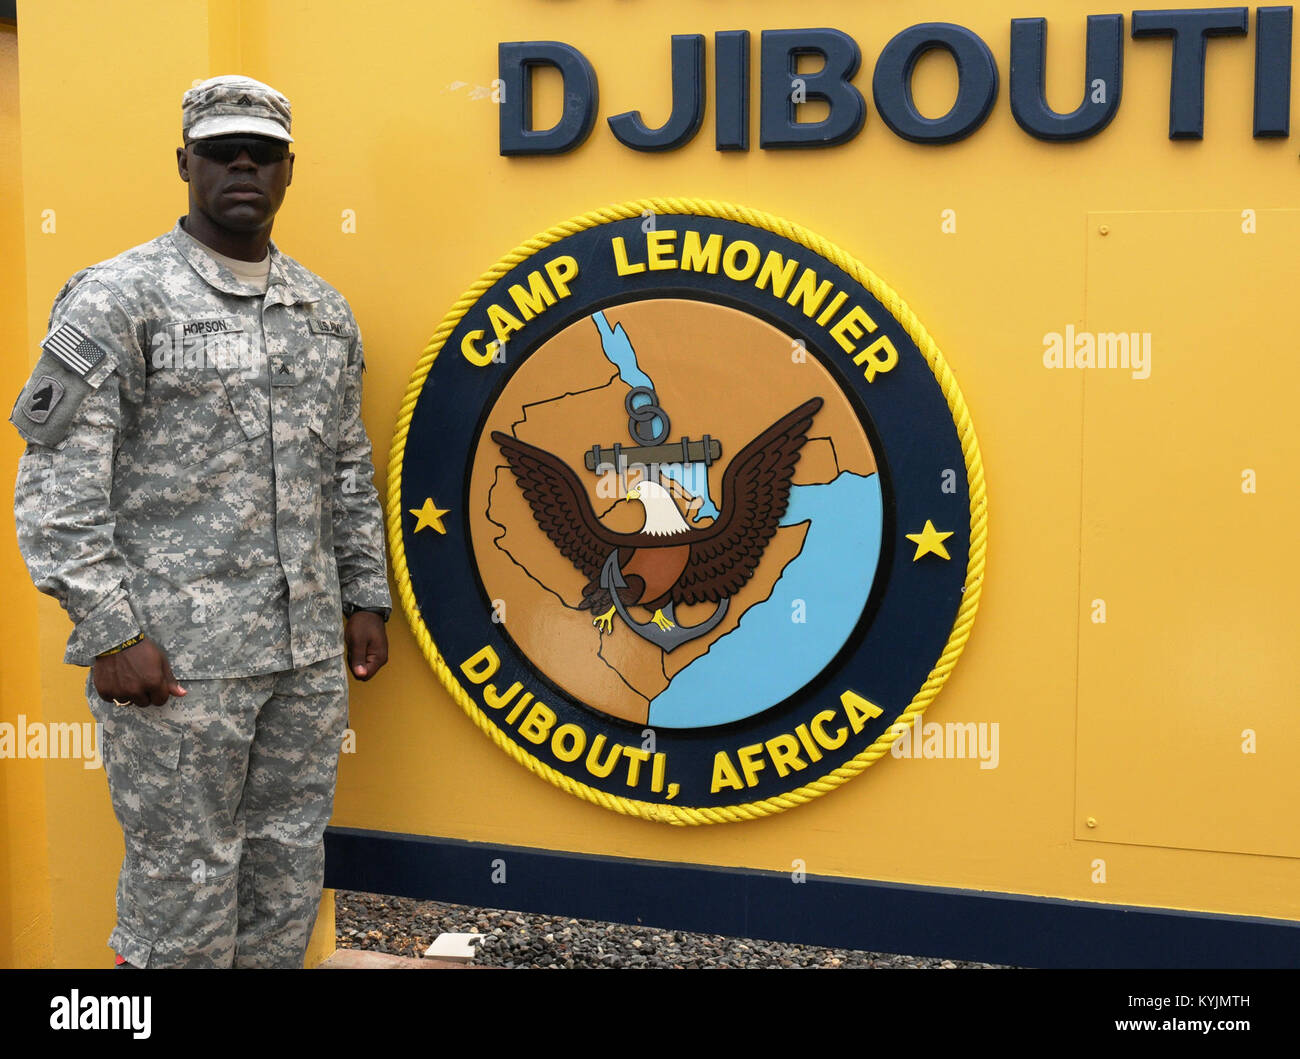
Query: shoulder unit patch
[{"x": 44, "y": 395}]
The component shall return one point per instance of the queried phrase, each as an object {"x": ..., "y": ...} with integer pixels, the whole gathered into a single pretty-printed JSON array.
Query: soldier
[{"x": 197, "y": 493}]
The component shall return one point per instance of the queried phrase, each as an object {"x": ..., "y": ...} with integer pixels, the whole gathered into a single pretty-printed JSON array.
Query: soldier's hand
[
  {"x": 141, "y": 675},
  {"x": 367, "y": 644}
]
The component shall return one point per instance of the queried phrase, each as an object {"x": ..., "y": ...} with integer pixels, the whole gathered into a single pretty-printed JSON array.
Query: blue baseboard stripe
[{"x": 823, "y": 910}]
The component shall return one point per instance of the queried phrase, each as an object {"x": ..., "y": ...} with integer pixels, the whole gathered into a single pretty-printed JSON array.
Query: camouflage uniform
[{"x": 197, "y": 470}]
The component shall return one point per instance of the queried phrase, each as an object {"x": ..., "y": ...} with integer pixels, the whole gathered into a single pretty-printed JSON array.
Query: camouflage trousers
[{"x": 223, "y": 797}]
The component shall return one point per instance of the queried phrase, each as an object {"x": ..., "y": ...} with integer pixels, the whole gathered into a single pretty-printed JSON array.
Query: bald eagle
[{"x": 666, "y": 561}]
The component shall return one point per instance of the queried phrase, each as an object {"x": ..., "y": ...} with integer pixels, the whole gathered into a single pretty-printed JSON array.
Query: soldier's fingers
[
  {"x": 153, "y": 688},
  {"x": 127, "y": 690},
  {"x": 169, "y": 679},
  {"x": 114, "y": 689},
  {"x": 368, "y": 665},
  {"x": 376, "y": 652},
  {"x": 357, "y": 647}
]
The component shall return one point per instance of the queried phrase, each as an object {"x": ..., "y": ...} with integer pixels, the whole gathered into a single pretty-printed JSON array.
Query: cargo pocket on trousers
[{"x": 146, "y": 785}]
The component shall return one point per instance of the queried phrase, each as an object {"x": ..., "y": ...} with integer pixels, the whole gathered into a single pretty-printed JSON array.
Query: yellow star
[
  {"x": 429, "y": 515},
  {"x": 928, "y": 541}
]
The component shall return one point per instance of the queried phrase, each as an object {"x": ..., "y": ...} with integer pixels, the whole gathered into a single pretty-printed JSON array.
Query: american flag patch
[{"x": 74, "y": 347}]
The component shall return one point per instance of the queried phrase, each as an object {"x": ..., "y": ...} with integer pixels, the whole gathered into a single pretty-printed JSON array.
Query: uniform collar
[{"x": 281, "y": 287}]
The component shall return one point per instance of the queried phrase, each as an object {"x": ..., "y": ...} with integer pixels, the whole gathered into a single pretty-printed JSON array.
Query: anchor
[
  {"x": 649, "y": 426},
  {"x": 611, "y": 579}
]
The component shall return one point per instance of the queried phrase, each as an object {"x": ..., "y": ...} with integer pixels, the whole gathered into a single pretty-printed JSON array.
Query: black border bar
[{"x": 823, "y": 910}]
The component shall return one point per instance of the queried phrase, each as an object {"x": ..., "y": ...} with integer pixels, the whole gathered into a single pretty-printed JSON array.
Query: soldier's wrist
[
  {"x": 137, "y": 638},
  {"x": 350, "y": 608},
  {"x": 110, "y": 623}
]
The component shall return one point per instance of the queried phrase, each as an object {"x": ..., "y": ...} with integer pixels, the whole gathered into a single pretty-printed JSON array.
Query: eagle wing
[
  {"x": 755, "y": 494},
  {"x": 561, "y": 507}
]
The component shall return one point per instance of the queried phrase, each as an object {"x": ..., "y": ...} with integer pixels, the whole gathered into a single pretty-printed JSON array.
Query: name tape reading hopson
[{"x": 687, "y": 512}]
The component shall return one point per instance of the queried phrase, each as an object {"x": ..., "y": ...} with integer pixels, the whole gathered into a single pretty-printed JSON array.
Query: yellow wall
[
  {"x": 25, "y": 922},
  {"x": 1098, "y": 488}
]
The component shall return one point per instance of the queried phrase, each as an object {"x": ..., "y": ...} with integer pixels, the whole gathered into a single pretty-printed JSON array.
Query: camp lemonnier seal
[{"x": 687, "y": 511}]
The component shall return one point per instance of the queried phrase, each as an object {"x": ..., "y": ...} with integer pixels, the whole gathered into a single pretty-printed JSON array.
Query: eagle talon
[
  {"x": 605, "y": 622},
  {"x": 661, "y": 621}
]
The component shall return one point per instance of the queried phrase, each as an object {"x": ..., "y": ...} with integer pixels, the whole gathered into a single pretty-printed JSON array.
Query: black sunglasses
[{"x": 225, "y": 149}]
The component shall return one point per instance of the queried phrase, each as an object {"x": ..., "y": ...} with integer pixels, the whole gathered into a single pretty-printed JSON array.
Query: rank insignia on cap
[
  {"x": 76, "y": 349},
  {"x": 45, "y": 395}
]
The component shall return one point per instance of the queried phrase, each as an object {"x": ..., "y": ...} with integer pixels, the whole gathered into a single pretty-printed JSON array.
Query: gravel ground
[{"x": 404, "y": 927}]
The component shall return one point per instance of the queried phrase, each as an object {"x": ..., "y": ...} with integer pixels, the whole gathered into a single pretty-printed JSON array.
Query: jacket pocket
[
  {"x": 327, "y": 401},
  {"x": 203, "y": 397}
]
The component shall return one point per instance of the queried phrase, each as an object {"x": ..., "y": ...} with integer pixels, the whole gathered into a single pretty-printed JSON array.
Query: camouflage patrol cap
[{"x": 229, "y": 104}]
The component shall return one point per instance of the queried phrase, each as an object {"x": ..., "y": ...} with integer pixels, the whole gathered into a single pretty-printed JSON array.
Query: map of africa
[{"x": 715, "y": 371}]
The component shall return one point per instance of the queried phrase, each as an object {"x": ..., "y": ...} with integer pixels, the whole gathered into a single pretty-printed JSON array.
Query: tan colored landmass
[
  {"x": 508, "y": 509},
  {"x": 638, "y": 661},
  {"x": 717, "y": 371},
  {"x": 622, "y": 516},
  {"x": 817, "y": 464},
  {"x": 536, "y": 620}
]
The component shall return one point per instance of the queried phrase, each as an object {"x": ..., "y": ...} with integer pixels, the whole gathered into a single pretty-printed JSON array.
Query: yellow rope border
[{"x": 679, "y": 814}]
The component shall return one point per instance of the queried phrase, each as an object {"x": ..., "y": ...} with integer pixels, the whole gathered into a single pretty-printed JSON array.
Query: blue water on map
[
  {"x": 770, "y": 655},
  {"x": 618, "y": 350},
  {"x": 693, "y": 477}
]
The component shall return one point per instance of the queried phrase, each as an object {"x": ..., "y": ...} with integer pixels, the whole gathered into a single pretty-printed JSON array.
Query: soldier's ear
[
  {"x": 183, "y": 164},
  {"x": 290, "y": 180}
]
